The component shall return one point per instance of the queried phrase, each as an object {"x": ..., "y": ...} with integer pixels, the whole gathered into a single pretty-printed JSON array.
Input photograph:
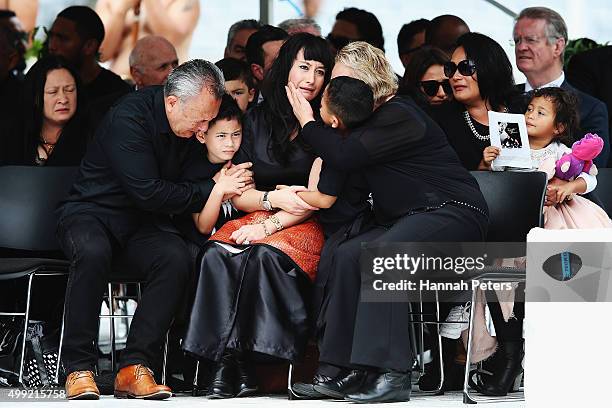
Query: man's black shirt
[{"x": 133, "y": 165}]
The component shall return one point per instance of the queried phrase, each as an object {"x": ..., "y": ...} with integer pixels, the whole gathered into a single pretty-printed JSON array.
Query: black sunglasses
[
  {"x": 431, "y": 87},
  {"x": 338, "y": 41},
  {"x": 465, "y": 68}
]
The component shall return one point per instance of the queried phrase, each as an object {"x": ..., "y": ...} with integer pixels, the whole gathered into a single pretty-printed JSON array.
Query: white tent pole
[{"x": 501, "y": 7}]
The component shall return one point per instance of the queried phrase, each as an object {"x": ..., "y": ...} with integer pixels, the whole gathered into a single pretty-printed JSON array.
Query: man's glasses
[
  {"x": 431, "y": 87},
  {"x": 531, "y": 40},
  {"x": 337, "y": 41},
  {"x": 465, "y": 68}
]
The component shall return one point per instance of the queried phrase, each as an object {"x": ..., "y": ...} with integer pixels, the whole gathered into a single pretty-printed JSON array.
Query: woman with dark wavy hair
[
  {"x": 256, "y": 271},
  {"x": 52, "y": 129},
  {"x": 480, "y": 74},
  {"x": 424, "y": 79}
]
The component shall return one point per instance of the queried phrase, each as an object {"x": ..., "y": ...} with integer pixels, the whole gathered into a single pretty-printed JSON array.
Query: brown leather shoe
[
  {"x": 81, "y": 385},
  {"x": 136, "y": 381}
]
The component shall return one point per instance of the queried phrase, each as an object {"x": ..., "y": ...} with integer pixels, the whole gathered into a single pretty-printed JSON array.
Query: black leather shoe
[
  {"x": 343, "y": 384},
  {"x": 392, "y": 386},
  {"x": 222, "y": 385},
  {"x": 307, "y": 391},
  {"x": 246, "y": 384}
]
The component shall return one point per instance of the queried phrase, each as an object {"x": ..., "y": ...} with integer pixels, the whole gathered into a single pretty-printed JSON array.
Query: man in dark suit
[
  {"x": 590, "y": 72},
  {"x": 540, "y": 37}
]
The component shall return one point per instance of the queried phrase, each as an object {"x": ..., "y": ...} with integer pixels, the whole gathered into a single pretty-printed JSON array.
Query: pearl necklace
[{"x": 468, "y": 120}]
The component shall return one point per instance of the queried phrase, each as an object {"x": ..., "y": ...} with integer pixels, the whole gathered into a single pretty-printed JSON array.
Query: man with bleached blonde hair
[{"x": 151, "y": 61}]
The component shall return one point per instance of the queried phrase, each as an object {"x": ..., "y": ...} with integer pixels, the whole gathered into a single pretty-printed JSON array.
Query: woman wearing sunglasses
[
  {"x": 480, "y": 76},
  {"x": 424, "y": 79}
]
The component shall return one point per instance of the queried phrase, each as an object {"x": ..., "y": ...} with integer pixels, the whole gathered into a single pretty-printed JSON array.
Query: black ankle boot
[
  {"x": 222, "y": 385},
  {"x": 505, "y": 372},
  {"x": 246, "y": 384}
]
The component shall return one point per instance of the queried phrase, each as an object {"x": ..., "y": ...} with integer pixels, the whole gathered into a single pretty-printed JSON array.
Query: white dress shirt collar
[{"x": 553, "y": 84}]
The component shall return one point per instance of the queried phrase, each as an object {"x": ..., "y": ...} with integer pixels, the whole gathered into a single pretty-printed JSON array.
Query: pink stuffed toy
[{"x": 570, "y": 165}]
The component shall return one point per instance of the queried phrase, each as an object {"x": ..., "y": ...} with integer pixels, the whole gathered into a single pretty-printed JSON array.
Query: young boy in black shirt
[
  {"x": 346, "y": 104},
  {"x": 222, "y": 140}
]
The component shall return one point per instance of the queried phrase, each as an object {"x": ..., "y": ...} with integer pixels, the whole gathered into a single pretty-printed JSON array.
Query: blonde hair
[{"x": 370, "y": 65}]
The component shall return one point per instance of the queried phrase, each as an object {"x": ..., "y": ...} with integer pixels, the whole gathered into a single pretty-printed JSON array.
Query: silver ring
[{"x": 246, "y": 242}]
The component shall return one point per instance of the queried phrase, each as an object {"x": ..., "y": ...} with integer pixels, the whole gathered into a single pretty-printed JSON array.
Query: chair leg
[
  {"x": 467, "y": 399},
  {"x": 165, "y": 360},
  {"x": 290, "y": 393},
  {"x": 194, "y": 390},
  {"x": 440, "y": 390},
  {"x": 26, "y": 319},
  {"x": 59, "y": 350},
  {"x": 421, "y": 334},
  {"x": 111, "y": 309}
]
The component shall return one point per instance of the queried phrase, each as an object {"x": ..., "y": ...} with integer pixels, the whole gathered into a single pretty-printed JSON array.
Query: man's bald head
[
  {"x": 151, "y": 60},
  {"x": 443, "y": 32}
]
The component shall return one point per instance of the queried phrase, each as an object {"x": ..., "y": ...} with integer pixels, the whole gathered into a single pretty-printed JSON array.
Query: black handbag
[
  {"x": 42, "y": 349},
  {"x": 10, "y": 347}
]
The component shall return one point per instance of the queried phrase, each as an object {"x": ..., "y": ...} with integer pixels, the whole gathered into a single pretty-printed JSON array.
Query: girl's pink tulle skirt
[{"x": 578, "y": 212}]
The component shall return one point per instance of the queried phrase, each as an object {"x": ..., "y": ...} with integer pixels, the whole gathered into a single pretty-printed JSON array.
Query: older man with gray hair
[
  {"x": 118, "y": 213},
  {"x": 151, "y": 60},
  {"x": 301, "y": 25},
  {"x": 540, "y": 38}
]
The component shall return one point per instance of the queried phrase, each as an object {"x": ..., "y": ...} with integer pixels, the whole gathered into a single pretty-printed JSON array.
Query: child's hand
[
  {"x": 489, "y": 154},
  {"x": 231, "y": 184},
  {"x": 301, "y": 107},
  {"x": 558, "y": 191}
]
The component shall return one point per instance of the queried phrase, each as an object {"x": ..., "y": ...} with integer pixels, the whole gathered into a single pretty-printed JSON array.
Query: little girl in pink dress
[{"x": 552, "y": 117}]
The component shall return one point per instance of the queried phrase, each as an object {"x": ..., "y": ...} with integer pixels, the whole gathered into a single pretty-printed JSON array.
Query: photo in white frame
[{"x": 508, "y": 131}]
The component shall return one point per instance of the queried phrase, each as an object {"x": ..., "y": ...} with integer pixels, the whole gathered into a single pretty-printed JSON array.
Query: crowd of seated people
[{"x": 241, "y": 191}]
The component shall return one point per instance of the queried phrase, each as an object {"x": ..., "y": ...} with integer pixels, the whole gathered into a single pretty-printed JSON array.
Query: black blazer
[
  {"x": 590, "y": 72},
  {"x": 593, "y": 119}
]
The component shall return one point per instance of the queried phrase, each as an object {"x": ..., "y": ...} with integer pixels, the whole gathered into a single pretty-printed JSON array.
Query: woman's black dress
[
  {"x": 68, "y": 151},
  {"x": 252, "y": 298},
  {"x": 450, "y": 117}
]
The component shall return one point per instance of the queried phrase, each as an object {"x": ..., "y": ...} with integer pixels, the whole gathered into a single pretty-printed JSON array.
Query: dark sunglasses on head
[
  {"x": 465, "y": 68},
  {"x": 337, "y": 41},
  {"x": 431, "y": 87}
]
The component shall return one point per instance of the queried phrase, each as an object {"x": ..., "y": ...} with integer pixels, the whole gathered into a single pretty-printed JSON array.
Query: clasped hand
[
  {"x": 286, "y": 198},
  {"x": 558, "y": 191},
  {"x": 235, "y": 175}
]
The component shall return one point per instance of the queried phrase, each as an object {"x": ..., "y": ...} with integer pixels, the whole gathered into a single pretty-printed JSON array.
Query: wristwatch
[{"x": 267, "y": 205}]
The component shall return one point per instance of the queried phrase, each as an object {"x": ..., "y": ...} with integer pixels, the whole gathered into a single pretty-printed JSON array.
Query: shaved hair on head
[{"x": 443, "y": 32}]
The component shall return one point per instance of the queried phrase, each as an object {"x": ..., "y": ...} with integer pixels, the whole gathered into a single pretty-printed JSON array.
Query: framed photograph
[{"x": 509, "y": 132}]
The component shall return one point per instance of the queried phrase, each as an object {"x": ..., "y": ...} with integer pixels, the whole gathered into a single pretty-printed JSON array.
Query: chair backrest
[
  {"x": 515, "y": 201},
  {"x": 603, "y": 191},
  {"x": 29, "y": 196}
]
